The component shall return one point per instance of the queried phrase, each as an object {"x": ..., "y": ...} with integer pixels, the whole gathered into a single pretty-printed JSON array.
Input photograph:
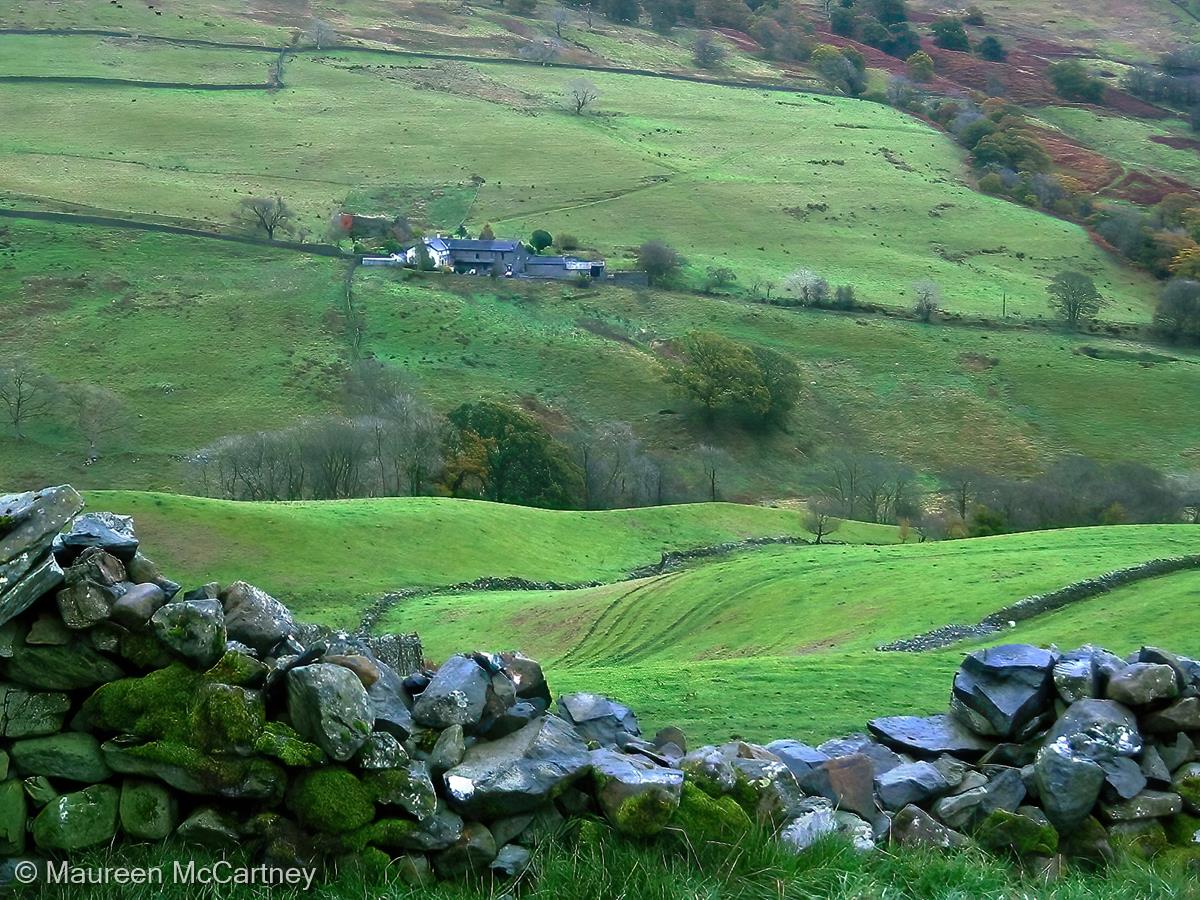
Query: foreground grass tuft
[{"x": 595, "y": 863}]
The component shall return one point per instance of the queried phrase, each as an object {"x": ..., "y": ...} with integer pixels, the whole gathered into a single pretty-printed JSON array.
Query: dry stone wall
[{"x": 132, "y": 709}]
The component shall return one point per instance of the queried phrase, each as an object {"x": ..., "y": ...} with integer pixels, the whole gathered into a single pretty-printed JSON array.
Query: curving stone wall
[{"x": 133, "y": 709}]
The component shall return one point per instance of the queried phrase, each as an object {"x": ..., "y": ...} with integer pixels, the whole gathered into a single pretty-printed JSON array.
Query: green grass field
[
  {"x": 790, "y": 632},
  {"x": 327, "y": 560},
  {"x": 854, "y": 190},
  {"x": 205, "y": 339}
]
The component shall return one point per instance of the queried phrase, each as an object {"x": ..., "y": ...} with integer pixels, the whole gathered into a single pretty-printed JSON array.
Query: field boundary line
[
  {"x": 159, "y": 228},
  {"x": 100, "y": 81}
]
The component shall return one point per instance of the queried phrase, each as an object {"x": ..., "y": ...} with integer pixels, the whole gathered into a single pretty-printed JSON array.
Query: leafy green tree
[
  {"x": 840, "y": 69},
  {"x": 720, "y": 374},
  {"x": 1072, "y": 81},
  {"x": 920, "y": 66},
  {"x": 1074, "y": 296},
  {"x": 902, "y": 41},
  {"x": 486, "y": 233},
  {"x": 502, "y": 453},
  {"x": 781, "y": 378},
  {"x": 991, "y": 49},
  {"x": 540, "y": 240},
  {"x": 1177, "y": 315},
  {"x": 949, "y": 34},
  {"x": 626, "y": 11},
  {"x": 889, "y": 12},
  {"x": 659, "y": 261}
]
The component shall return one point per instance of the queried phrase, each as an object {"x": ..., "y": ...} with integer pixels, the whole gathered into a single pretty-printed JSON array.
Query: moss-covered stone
[
  {"x": 227, "y": 718},
  {"x": 188, "y": 769},
  {"x": 155, "y": 706},
  {"x": 1143, "y": 838},
  {"x": 1087, "y": 843},
  {"x": 644, "y": 814},
  {"x": 281, "y": 742},
  {"x": 73, "y": 756},
  {"x": 238, "y": 669},
  {"x": 1021, "y": 835},
  {"x": 74, "y": 821},
  {"x": 13, "y": 811},
  {"x": 331, "y": 800},
  {"x": 144, "y": 650},
  {"x": 1183, "y": 830},
  {"x": 408, "y": 787},
  {"x": 705, "y": 819},
  {"x": 1187, "y": 786},
  {"x": 148, "y": 811}
]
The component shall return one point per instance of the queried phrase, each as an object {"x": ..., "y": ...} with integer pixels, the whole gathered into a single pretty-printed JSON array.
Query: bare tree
[
  {"x": 560, "y": 17},
  {"x": 617, "y": 471},
  {"x": 928, "y": 299},
  {"x": 582, "y": 94},
  {"x": 541, "y": 52},
  {"x": 98, "y": 413},
  {"x": 819, "y": 520},
  {"x": 321, "y": 34},
  {"x": 712, "y": 461},
  {"x": 587, "y": 11},
  {"x": 963, "y": 486},
  {"x": 26, "y": 394},
  {"x": 268, "y": 214}
]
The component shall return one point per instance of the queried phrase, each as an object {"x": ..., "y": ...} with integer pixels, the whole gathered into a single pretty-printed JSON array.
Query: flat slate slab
[{"x": 928, "y": 736}]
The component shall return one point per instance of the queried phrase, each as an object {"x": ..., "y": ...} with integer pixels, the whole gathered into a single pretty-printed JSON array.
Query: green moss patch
[{"x": 331, "y": 800}]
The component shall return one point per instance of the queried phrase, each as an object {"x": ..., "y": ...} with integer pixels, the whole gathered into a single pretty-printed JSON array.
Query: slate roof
[{"x": 493, "y": 246}]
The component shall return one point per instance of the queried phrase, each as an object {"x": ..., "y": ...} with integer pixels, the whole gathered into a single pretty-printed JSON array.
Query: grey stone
[
  {"x": 135, "y": 607},
  {"x": 513, "y": 719},
  {"x": 711, "y": 768},
  {"x": 194, "y": 629},
  {"x": 1154, "y": 768},
  {"x": 882, "y": 758},
  {"x": 1177, "y": 752},
  {"x": 72, "y": 756},
  {"x": 471, "y": 853},
  {"x": 1076, "y": 679},
  {"x": 910, "y": 783},
  {"x": 74, "y": 821},
  {"x": 1183, "y": 715},
  {"x": 381, "y": 751},
  {"x": 1141, "y": 684},
  {"x": 144, "y": 571},
  {"x": 1009, "y": 687},
  {"x": 448, "y": 750},
  {"x": 33, "y": 519},
  {"x": 254, "y": 617},
  {"x": 929, "y": 736},
  {"x": 527, "y": 677},
  {"x": 25, "y": 713},
  {"x": 329, "y": 706},
  {"x": 93, "y": 583},
  {"x": 1103, "y": 726},
  {"x": 48, "y": 630},
  {"x": 510, "y": 861},
  {"x": 635, "y": 795},
  {"x": 913, "y": 827},
  {"x": 1005, "y": 790},
  {"x": 409, "y": 787},
  {"x": 455, "y": 696},
  {"x": 510, "y": 828},
  {"x": 798, "y": 757},
  {"x": 43, "y": 576},
  {"x": 1146, "y": 805},
  {"x": 389, "y": 703},
  {"x": 1123, "y": 777},
  {"x": 437, "y": 832},
  {"x": 69, "y": 667},
  {"x": 519, "y": 772},
  {"x": 147, "y": 810},
  {"x": 599, "y": 718},
  {"x": 1068, "y": 782},
  {"x": 110, "y": 532},
  {"x": 209, "y": 827}
]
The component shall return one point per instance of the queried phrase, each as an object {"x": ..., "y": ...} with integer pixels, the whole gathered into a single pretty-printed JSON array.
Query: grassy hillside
[
  {"x": 854, "y": 190},
  {"x": 205, "y": 339},
  {"x": 1134, "y": 143},
  {"x": 327, "y": 560},
  {"x": 791, "y": 631}
]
